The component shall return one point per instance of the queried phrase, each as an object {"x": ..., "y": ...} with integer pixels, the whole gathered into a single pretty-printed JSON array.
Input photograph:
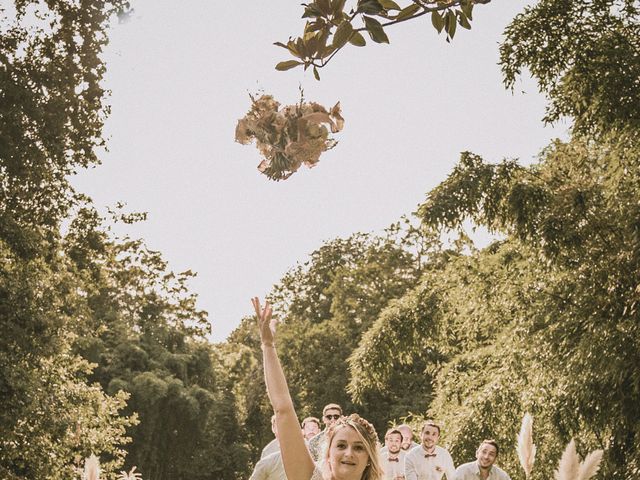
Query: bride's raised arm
[{"x": 297, "y": 460}]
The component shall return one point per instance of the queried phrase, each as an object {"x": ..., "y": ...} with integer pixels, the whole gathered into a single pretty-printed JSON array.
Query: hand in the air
[{"x": 266, "y": 325}]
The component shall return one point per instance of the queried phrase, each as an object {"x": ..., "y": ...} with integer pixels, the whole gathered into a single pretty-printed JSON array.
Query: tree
[
  {"x": 147, "y": 337},
  {"x": 52, "y": 416},
  {"x": 584, "y": 55}
]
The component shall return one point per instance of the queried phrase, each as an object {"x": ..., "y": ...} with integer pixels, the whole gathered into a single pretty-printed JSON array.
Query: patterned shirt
[
  {"x": 316, "y": 445},
  {"x": 419, "y": 465}
]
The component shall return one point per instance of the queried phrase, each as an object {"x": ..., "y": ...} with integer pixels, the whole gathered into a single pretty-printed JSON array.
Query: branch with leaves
[{"x": 331, "y": 26}]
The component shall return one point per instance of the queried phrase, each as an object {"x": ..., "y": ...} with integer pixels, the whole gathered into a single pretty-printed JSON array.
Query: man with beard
[
  {"x": 483, "y": 468},
  {"x": 429, "y": 461},
  {"x": 392, "y": 455}
]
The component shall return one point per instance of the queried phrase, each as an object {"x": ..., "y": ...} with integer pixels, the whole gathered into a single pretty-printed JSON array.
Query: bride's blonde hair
[{"x": 368, "y": 436}]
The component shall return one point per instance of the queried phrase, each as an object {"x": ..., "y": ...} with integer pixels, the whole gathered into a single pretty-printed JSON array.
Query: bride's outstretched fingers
[{"x": 265, "y": 325}]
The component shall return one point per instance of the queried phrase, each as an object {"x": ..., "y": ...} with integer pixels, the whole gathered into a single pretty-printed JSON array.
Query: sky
[{"x": 180, "y": 74}]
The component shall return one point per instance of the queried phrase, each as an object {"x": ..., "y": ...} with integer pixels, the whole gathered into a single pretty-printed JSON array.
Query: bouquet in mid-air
[{"x": 290, "y": 136}]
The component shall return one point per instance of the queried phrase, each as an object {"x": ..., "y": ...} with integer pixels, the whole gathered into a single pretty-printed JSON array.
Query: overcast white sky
[{"x": 180, "y": 73}]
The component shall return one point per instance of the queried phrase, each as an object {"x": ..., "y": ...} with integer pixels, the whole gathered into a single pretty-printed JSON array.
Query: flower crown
[{"x": 356, "y": 421}]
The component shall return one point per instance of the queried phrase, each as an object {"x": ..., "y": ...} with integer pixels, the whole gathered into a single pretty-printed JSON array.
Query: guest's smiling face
[
  {"x": 430, "y": 436},
  {"x": 486, "y": 455},
  {"x": 393, "y": 442},
  {"x": 331, "y": 416}
]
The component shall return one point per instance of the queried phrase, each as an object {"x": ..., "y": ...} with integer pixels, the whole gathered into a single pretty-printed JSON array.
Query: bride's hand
[{"x": 266, "y": 325}]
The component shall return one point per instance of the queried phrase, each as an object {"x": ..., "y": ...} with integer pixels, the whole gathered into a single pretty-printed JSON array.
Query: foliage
[
  {"x": 148, "y": 338},
  {"x": 331, "y": 25},
  {"x": 290, "y": 136},
  {"x": 328, "y": 303},
  {"x": 52, "y": 107},
  {"x": 584, "y": 55},
  {"x": 52, "y": 416}
]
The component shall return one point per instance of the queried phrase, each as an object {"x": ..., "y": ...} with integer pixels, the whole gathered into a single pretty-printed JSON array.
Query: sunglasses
[{"x": 332, "y": 417}]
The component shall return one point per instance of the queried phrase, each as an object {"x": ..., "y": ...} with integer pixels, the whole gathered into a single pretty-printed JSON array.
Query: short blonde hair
[{"x": 331, "y": 406}]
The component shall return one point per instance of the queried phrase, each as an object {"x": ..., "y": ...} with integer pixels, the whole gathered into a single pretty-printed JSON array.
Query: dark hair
[
  {"x": 490, "y": 441},
  {"x": 393, "y": 431},
  {"x": 430, "y": 423}
]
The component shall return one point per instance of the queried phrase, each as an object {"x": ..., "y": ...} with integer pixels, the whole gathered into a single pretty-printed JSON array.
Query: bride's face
[{"x": 348, "y": 455}]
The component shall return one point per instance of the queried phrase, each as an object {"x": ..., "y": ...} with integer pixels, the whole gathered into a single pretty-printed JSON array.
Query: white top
[
  {"x": 418, "y": 465},
  {"x": 269, "y": 468},
  {"x": 272, "y": 447},
  {"x": 471, "y": 471},
  {"x": 393, "y": 470}
]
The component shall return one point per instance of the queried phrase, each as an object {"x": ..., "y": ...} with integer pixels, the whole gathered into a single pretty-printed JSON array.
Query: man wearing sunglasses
[{"x": 330, "y": 415}]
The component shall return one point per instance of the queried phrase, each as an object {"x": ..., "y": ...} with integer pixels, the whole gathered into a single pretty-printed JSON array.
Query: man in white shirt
[
  {"x": 273, "y": 446},
  {"x": 269, "y": 468},
  {"x": 483, "y": 468},
  {"x": 429, "y": 461},
  {"x": 392, "y": 455}
]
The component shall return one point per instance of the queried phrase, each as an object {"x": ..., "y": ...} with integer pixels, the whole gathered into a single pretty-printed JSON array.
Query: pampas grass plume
[
  {"x": 569, "y": 466},
  {"x": 590, "y": 466},
  {"x": 526, "y": 448},
  {"x": 91, "y": 468}
]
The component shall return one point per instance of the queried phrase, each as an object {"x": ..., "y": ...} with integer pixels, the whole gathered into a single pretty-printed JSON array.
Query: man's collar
[{"x": 478, "y": 469}]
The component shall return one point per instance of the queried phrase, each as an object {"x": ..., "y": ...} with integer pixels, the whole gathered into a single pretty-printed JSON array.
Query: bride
[{"x": 351, "y": 450}]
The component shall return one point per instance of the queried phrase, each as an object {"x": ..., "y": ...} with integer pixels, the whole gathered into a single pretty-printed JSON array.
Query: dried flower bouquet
[{"x": 290, "y": 136}]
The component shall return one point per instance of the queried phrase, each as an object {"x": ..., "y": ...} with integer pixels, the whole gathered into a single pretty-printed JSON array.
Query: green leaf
[
  {"x": 287, "y": 65},
  {"x": 357, "y": 39},
  {"x": 324, "y": 6},
  {"x": 437, "y": 21},
  {"x": 371, "y": 7},
  {"x": 462, "y": 20},
  {"x": 311, "y": 10},
  {"x": 467, "y": 9},
  {"x": 375, "y": 29},
  {"x": 408, "y": 12},
  {"x": 451, "y": 24},
  {"x": 315, "y": 73},
  {"x": 337, "y": 7},
  {"x": 389, "y": 5},
  {"x": 342, "y": 34}
]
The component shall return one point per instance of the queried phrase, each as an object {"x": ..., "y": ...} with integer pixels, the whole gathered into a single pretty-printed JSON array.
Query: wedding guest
[
  {"x": 407, "y": 437},
  {"x": 310, "y": 427},
  {"x": 273, "y": 446},
  {"x": 392, "y": 455},
  {"x": 483, "y": 468},
  {"x": 330, "y": 415},
  {"x": 269, "y": 468},
  {"x": 429, "y": 461}
]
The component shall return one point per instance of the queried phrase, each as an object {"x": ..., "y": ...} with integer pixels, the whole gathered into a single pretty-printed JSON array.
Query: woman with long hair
[{"x": 351, "y": 450}]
